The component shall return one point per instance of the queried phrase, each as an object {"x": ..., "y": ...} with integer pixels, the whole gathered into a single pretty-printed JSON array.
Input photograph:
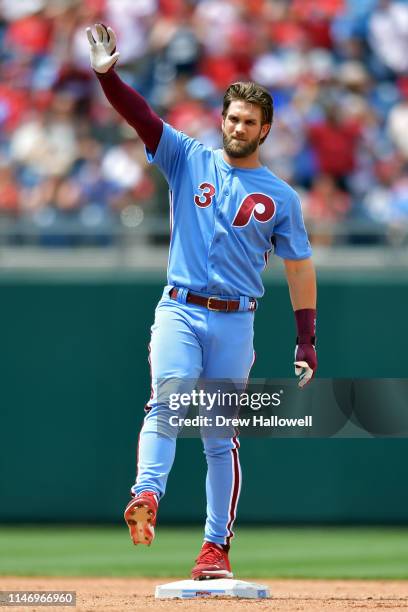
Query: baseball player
[{"x": 227, "y": 214}]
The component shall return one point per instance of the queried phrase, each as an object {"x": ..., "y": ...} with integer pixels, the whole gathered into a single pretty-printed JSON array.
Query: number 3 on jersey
[{"x": 207, "y": 193}]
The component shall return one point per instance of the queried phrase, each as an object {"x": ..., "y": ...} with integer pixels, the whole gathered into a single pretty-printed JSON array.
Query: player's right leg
[{"x": 176, "y": 364}]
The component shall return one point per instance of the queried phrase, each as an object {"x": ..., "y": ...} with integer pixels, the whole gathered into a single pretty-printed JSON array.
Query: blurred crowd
[{"x": 73, "y": 173}]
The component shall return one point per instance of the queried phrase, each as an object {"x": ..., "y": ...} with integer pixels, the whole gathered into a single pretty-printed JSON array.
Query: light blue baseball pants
[{"x": 188, "y": 343}]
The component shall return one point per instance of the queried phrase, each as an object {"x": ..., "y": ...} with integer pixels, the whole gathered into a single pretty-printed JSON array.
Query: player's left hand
[{"x": 305, "y": 363}]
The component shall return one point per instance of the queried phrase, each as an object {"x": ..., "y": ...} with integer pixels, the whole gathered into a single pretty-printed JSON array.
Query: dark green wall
[{"x": 74, "y": 380}]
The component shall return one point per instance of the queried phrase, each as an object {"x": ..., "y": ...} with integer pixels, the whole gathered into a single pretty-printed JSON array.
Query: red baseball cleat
[
  {"x": 140, "y": 516},
  {"x": 212, "y": 562}
]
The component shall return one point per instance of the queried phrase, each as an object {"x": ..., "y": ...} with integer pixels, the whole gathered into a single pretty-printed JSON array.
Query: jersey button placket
[
  {"x": 210, "y": 264},
  {"x": 225, "y": 195},
  {"x": 219, "y": 215}
]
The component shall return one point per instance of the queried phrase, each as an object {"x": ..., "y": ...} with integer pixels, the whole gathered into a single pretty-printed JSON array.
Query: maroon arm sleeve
[
  {"x": 133, "y": 108},
  {"x": 306, "y": 325}
]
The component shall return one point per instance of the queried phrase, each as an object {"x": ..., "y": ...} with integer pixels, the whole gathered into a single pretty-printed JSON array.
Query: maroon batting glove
[{"x": 305, "y": 352}]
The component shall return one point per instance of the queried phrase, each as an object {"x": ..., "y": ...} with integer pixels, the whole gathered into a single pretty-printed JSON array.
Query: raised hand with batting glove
[{"x": 103, "y": 50}]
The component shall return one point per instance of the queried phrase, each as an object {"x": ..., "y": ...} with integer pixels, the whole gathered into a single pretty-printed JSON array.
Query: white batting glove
[
  {"x": 305, "y": 363},
  {"x": 304, "y": 372},
  {"x": 103, "y": 50}
]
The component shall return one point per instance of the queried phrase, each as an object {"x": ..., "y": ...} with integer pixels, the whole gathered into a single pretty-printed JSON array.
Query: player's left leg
[
  {"x": 228, "y": 354},
  {"x": 223, "y": 486}
]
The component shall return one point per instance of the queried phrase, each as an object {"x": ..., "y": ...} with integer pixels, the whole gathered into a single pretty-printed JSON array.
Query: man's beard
[{"x": 239, "y": 148}]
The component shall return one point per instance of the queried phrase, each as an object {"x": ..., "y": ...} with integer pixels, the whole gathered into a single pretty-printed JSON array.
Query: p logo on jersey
[{"x": 258, "y": 205}]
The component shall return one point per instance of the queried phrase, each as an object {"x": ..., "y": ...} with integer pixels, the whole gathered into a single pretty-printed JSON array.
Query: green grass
[{"x": 256, "y": 552}]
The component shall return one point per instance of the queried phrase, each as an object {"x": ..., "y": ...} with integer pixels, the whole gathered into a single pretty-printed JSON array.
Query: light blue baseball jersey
[{"x": 225, "y": 221}]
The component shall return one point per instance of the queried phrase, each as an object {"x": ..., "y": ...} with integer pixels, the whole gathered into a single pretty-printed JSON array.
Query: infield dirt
[{"x": 287, "y": 595}]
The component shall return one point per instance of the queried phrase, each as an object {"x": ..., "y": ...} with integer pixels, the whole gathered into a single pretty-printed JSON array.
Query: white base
[{"x": 223, "y": 587}]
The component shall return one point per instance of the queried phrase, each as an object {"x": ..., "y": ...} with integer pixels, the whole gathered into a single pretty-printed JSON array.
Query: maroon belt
[{"x": 213, "y": 302}]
